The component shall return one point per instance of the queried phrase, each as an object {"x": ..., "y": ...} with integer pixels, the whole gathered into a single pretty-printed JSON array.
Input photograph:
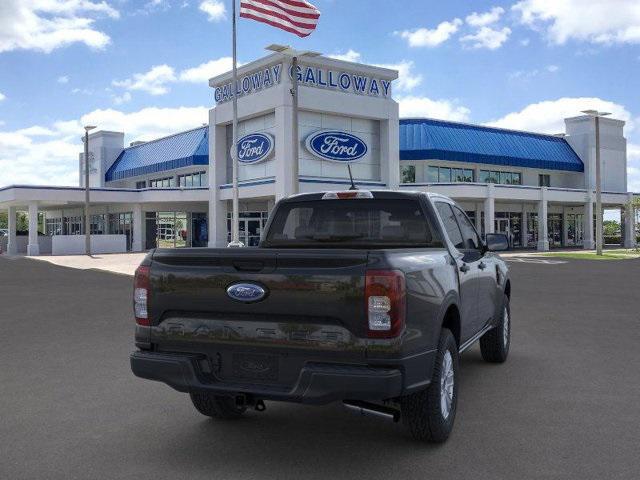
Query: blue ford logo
[
  {"x": 336, "y": 146},
  {"x": 255, "y": 147},
  {"x": 246, "y": 292}
]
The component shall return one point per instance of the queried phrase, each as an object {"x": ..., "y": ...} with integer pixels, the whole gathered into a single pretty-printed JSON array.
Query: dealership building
[{"x": 176, "y": 191}]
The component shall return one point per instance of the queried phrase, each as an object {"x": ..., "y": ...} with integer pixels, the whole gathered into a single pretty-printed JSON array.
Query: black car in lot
[{"x": 367, "y": 298}]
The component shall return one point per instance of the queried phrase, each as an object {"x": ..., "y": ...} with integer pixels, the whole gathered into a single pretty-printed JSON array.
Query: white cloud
[
  {"x": 63, "y": 79},
  {"x": 2, "y": 96},
  {"x": 120, "y": 99},
  {"x": 45, "y": 25},
  {"x": 525, "y": 42},
  {"x": 484, "y": 19},
  {"x": 349, "y": 56},
  {"x": 407, "y": 78},
  {"x": 154, "y": 81},
  {"x": 203, "y": 72},
  {"x": 214, "y": 9},
  {"x": 595, "y": 21},
  {"x": 414, "y": 106},
  {"x": 548, "y": 116},
  {"x": 487, "y": 37},
  {"x": 423, "y": 37},
  {"x": 530, "y": 74},
  {"x": 48, "y": 155}
]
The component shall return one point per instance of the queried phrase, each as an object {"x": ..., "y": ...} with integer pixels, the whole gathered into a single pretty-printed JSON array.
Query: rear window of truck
[{"x": 351, "y": 223}]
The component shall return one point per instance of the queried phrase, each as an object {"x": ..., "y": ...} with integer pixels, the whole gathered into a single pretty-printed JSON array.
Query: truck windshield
[{"x": 351, "y": 224}]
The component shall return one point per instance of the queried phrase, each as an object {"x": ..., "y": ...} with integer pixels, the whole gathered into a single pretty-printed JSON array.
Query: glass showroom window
[
  {"x": 446, "y": 174},
  {"x": 198, "y": 179},
  {"x": 504, "y": 178},
  {"x": 142, "y": 184},
  {"x": 408, "y": 174},
  {"x": 544, "y": 180},
  {"x": 53, "y": 226},
  {"x": 162, "y": 182}
]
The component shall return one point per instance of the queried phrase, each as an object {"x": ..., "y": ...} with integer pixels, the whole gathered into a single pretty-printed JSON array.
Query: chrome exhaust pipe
[{"x": 371, "y": 409}]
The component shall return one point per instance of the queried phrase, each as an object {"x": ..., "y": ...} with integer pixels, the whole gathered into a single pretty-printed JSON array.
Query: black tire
[
  {"x": 216, "y": 406},
  {"x": 421, "y": 411},
  {"x": 494, "y": 345}
]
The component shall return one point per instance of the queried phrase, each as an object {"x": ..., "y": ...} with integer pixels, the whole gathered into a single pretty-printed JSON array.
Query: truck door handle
[
  {"x": 482, "y": 266},
  {"x": 464, "y": 268}
]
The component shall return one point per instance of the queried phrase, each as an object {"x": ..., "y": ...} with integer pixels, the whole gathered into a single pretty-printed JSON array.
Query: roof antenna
[{"x": 353, "y": 185}]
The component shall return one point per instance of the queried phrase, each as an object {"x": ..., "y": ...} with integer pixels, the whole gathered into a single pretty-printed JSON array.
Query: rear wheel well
[
  {"x": 451, "y": 321},
  {"x": 507, "y": 289}
]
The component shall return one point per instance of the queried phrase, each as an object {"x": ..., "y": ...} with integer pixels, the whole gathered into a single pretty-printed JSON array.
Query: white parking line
[{"x": 534, "y": 260}]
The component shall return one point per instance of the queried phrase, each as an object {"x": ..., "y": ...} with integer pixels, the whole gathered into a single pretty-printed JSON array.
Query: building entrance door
[
  {"x": 250, "y": 230},
  {"x": 250, "y": 225},
  {"x": 554, "y": 229},
  {"x": 575, "y": 232},
  {"x": 502, "y": 225}
]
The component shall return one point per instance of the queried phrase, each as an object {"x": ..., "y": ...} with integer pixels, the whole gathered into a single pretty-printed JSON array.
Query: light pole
[
  {"x": 294, "y": 55},
  {"x": 596, "y": 115},
  {"x": 87, "y": 218}
]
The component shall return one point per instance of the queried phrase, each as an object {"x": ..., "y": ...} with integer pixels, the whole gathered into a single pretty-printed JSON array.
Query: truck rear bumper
[{"x": 318, "y": 383}]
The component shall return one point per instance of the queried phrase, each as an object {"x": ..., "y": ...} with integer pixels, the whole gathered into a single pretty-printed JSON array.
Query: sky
[{"x": 142, "y": 66}]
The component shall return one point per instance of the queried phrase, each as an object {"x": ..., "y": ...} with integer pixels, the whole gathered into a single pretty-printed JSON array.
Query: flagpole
[
  {"x": 235, "y": 225},
  {"x": 294, "y": 125}
]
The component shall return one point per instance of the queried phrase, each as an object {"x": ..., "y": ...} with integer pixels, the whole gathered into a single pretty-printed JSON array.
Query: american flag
[{"x": 295, "y": 16}]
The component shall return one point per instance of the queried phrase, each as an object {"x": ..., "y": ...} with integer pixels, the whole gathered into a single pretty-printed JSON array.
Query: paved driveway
[{"x": 565, "y": 405}]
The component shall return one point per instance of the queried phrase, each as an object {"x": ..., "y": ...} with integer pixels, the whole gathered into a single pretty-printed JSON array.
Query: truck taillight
[
  {"x": 385, "y": 296},
  {"x": 140, "y": 295}
]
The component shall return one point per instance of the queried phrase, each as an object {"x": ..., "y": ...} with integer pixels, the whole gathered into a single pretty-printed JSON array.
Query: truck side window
[
  {"x": 450, "y": 225},
  {"x": 469, "y": 235}
]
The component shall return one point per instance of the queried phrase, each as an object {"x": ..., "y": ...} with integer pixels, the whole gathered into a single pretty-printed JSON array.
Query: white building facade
[{"x": 176, "y": 191}]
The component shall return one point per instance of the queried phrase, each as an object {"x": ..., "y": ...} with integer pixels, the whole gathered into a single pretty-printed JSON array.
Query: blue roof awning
[
  {"x": 426, "y": 139},
  {"x": 176, "y": 151}
]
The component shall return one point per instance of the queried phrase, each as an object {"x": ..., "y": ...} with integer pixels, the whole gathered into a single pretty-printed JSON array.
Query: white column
[
  {"x": 543, "y": 235},
  {"x": 283, "y": 156},
  {"x": 565, "y": 227},
  {"x": 390, "y": 149},
  {"x": 12, "y": 247},
  {"x": 138, "y": 228},
  {"x": 218, "y": 149},
  {"x": 588, "y": 243},
  {"x": 479, "y": 217},
  {"x": 33, "y": 248},
  {"x": 524, "y": 227},
  {"x": 629, "y": 224},
  {"x": 489, "y": 211}
]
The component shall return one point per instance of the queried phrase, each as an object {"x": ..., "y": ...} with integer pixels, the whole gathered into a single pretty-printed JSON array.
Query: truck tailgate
[{"x": 314, "y": 303}]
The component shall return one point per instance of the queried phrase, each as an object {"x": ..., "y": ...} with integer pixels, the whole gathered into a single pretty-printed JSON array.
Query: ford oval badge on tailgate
[{"x": 246, "y": 292}]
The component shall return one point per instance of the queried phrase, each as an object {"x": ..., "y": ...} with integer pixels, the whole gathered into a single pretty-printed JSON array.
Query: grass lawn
[{"x": 606, "y": 255}]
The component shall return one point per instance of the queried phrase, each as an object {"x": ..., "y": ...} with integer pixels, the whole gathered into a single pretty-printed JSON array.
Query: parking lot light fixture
[
  {"x": 87, "y": 218},
  {"x": 596, "y": 114}
]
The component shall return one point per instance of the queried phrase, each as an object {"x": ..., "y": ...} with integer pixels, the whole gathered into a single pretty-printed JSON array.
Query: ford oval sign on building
[
  {"x": 336, "y": 146},
  {"x": 255, "y": 148}
]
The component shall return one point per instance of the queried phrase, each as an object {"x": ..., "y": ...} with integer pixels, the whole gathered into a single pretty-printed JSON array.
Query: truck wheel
[
  {"x": 429, "y": 414},
  {"x": 494, "y": 345},
  {"x": 216, "y": 406}
]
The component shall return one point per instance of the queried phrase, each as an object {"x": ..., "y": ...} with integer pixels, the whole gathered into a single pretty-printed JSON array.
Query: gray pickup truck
[{"x": 366, "y": 298}]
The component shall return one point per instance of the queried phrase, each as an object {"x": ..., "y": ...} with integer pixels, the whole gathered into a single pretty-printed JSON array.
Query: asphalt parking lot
[{"x": 565, "y": 405}]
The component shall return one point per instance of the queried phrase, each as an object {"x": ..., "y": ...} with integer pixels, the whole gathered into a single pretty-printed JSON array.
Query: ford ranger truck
[{"x": 366, "y": 298}]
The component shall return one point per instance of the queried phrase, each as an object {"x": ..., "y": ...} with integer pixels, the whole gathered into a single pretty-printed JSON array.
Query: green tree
[{"x": 611, "y": 228}]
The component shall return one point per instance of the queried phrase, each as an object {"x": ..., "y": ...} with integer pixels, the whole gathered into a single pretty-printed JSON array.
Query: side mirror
[{"x": 496, "y": 242}]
